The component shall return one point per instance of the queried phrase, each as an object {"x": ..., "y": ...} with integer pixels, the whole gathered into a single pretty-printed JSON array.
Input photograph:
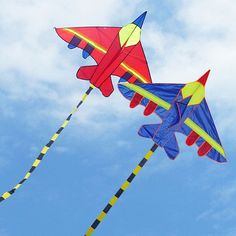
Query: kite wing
[
  {"x": 95, "y": 42},
  {"x": 155, "y": 97},
  {"x": 200, "y": 129},
  {"x": 135, "y": 67}
]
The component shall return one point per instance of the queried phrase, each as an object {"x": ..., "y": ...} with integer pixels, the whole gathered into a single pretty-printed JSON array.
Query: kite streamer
[
  {"x": 121, "y": 190},
  {"x": 46, "y": 147}
]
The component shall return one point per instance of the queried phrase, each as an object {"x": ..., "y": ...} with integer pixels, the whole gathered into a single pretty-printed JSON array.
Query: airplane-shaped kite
[
  {"x": 182, "y": 108},
  {"x": 116, "y": 50}
]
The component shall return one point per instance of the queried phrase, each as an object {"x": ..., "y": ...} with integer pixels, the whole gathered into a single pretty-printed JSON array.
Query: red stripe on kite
[
  {"x": 150, "y": 108},
  {"x": 192, "y": 138},
  {"x": 137, "y": 98},
  {"x": 204, "y": 149}
]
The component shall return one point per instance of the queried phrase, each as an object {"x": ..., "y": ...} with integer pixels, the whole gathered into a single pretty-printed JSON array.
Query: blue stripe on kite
[
  {"x": 126, "y": 76},
  {"x": 75, "y": 41},
  {"x": 87, "y": 51}
]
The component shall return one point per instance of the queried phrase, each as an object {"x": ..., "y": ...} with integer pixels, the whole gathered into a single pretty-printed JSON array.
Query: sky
[{"x": 98, "y": 150}]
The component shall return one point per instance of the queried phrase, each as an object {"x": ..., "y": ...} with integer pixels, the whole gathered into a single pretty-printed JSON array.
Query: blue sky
[{"x": 98, "y": 150}]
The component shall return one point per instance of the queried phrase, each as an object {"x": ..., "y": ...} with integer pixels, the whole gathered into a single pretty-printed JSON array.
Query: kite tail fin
[
  {"x": 86, "y": 72},
  {"x": 106, "y": 87},
  {"x": 148, "y": 131},
  {"x": 171, "y": 147},
  {"x": 167, "y": 141}
]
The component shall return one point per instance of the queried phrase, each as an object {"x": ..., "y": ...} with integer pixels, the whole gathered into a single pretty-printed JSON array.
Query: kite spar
[
  {"x": 46, "y": 147},
  {"x": 116, "y": 50}
]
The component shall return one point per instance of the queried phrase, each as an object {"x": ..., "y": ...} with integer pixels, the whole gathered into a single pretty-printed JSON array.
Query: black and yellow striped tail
[
  {"x": 121, "y": 190},
  {"x": 46, "y": 147}
]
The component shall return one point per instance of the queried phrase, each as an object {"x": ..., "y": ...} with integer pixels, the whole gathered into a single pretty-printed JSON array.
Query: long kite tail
[
  {"x": 121, "y": 190},
  {"x": 46, "y": 147}
]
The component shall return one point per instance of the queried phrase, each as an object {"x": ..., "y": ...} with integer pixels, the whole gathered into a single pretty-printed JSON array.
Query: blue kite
[{"x": 182, "y": 108}]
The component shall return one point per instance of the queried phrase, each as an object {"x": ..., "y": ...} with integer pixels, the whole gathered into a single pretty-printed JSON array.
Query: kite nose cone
[
  {"x": 139, "y": 21},
  {"x": 204, "y": 78}
]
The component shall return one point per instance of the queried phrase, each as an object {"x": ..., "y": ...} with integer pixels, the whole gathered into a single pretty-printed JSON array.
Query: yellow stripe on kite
[
  {"x": 96, "y": 45},
  {"x": 191, "y": 124},
  {"x": 148, "y": 95},
  {"x": 140, "y": 77}
]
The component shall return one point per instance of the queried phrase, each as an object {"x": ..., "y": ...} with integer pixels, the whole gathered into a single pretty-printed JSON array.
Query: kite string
[
  {"x": 121, "y": 190},
  {"x": 47, "y": 147}
]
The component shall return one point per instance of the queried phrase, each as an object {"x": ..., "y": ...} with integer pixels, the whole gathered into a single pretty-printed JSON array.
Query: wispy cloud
[{"x": 37, "y": 65}]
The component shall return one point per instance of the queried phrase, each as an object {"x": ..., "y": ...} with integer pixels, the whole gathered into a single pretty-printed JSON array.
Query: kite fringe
[
  {"x": 121, "y": 190},
  {"x": 46, "y": 147}
]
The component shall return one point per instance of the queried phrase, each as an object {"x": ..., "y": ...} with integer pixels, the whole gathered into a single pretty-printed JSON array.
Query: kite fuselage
[
  {"x": 173, "y": 120},
  {"x": 114, "y": 57},
  {"x": 189, "y": 97}
]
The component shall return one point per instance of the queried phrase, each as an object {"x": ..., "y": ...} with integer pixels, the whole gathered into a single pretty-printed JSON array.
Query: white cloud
[
  {"x": 36, "y": 64},
  {"x": 222, "y": 207}
]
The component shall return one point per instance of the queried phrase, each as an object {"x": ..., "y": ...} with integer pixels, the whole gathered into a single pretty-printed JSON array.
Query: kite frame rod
[
  {"x": 47, "y": 146},
  {"x": 121, "y": 190}
]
